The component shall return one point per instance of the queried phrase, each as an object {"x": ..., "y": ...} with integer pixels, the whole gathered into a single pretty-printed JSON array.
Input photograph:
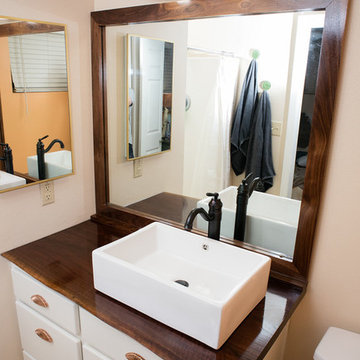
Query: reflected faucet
[
  {"x": 40, "y": 151},
  {"x": 244, "y": 192},
  {"x": 213, "y": 217},
  {"x": 8, "y": 158}
]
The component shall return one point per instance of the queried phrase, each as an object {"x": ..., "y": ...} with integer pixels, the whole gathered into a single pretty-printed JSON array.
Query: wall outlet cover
[
  {"x": 47, "y": 192},
  {"x": 276, "y": 128},
  {"x": 137, "y": 168}
]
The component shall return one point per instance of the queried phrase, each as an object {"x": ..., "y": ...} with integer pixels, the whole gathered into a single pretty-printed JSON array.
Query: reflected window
[{"x": 38, "y": 62}]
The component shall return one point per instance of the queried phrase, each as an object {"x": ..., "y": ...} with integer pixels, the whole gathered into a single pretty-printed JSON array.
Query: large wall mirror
[
  {"x": 35, "y": 131},
  {"x": 294, "y": 46}
]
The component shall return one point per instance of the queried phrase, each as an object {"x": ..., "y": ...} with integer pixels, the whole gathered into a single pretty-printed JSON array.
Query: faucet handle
[
  {"x": 245, "y": 181},
  {"x": 46, "y": 136},
  {"x": 214, "y": 195},
  {"x": 5, "y": 146}
]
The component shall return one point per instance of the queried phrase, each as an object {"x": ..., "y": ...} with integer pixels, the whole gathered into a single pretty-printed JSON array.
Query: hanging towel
[
  {"x": 259, "y": 158},
  {"x": 240, "y": 131}
]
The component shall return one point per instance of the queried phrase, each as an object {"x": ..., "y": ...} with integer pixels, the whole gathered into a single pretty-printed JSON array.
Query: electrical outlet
[
  {"x": 137, "y": 168},
  {"x": 276, "y": 128},
  {"x": 47, "y": 192}
]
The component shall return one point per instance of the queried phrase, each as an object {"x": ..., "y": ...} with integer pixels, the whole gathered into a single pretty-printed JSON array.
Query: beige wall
[
  {"x": 22, "y": 218},
  {"x": 333, "y": 295}
]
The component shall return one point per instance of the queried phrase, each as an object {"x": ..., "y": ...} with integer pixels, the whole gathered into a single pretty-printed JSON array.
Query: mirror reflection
[
  {"x": 34, "y": 103},
  {"x": 212, "y": 62},
  {"x": 149, "y": 79}
]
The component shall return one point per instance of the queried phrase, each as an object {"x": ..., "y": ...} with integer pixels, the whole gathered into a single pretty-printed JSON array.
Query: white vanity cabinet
[
  {"x": 90, "y": 353},
  {"x": 111, "y": 342},
  {"x": 43, "y": 339},
  {"x": 45, "y": 301},
  {"x": 50, "y": 326}
]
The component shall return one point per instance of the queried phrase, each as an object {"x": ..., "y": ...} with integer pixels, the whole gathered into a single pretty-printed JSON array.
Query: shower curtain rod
[{"x": 215, "y": 52}]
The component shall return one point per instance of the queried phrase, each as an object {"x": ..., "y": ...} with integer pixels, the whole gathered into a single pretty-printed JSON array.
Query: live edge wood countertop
[{"x": 62, "y": 261}]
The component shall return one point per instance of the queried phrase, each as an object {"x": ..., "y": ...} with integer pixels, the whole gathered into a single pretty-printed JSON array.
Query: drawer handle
[
  {"x": 41, "y": 333},
  {"x": 39, "y": 300},
  {"x": 133, "y": 356}
]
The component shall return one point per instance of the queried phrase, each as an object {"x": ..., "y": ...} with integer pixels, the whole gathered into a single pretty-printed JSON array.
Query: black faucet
[
  {"x": 40, "y": 151},
  {"x": 213, "y": 217},
  {"x": 8, "y": 158},
  {"x": 244, "y": 192}
]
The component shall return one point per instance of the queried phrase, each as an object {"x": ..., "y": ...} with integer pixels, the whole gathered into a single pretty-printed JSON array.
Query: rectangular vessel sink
[
  {"x": 8, "y": 181},
  {"x": 271, "y": 221},
  {"x": 218, "y": 284},
  {"x": 57, "y": 163}
]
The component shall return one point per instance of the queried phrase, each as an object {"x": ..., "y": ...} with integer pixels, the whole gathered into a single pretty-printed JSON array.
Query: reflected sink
[
  {"x": 57, "y": 163},
  {"x": 219, "y": 283},
  {"x": 8, "y": 181},
  {"x": 271, "y": 220}
]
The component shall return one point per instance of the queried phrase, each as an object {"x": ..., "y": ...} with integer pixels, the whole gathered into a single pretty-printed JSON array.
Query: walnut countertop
[{"x": 62, "y": 261}]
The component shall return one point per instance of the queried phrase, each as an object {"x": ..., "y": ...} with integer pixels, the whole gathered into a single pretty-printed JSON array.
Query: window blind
[{"x": 38, "y": 62}]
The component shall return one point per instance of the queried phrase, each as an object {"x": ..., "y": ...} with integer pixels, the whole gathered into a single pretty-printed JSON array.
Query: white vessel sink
[
  {"x": 57, "y": 163},
  {"x": 8, "y": 181},
  {"x": 224, "y": 282},
  {"x": 271, "y": 220}
]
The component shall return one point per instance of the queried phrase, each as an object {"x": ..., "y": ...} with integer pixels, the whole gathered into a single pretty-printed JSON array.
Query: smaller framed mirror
[
  {"x": 35, "y": 130},
  {"x": 149, "y": 79}
]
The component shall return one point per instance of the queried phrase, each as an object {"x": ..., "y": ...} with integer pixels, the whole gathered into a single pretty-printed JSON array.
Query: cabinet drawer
[
  {"x": 109, "y": 341},
  {"x": 90, "y": 353},
  {"x": 27, "y": 356},
  {"x": 44, "y": 340},
  {"x": 46, "y": 301}
]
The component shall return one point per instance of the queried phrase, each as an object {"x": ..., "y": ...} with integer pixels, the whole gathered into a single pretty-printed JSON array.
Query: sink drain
[{"x": 182, "y": 282}]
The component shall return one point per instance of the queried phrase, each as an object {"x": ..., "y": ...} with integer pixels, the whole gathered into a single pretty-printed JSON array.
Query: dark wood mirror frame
[{"x": 296, "y": 271}]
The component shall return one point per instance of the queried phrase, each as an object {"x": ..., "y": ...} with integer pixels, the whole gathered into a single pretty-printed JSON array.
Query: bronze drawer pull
[
  {"x": 39, "y": 300},
  {"x": 133, "y": 356},
  {"x": 41, "y": 333}
]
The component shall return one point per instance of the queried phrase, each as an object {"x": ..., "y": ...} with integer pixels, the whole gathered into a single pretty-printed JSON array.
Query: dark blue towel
[
  {"x": 240, "y": 131},
  {"x": 259, "y": 157}
]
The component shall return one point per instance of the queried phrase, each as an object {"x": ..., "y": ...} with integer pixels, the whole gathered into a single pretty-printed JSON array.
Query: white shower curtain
[{"x": 211, "y": 84}]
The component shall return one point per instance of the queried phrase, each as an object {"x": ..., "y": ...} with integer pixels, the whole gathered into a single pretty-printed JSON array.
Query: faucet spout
[
  {"x": 213, "y": 217},
  {"x": 192, "y": 215},
  {"x": 53, "y": 143}
]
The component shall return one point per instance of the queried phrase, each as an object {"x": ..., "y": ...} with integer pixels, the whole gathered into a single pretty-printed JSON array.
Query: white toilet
[{"x": 338, "y": 344}]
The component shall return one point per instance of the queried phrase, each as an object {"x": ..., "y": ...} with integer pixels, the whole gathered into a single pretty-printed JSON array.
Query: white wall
[
  {"x": 22, "y": 218},
  {"x": 333, "y": 294},
  {"x": 161, "y": 172}
]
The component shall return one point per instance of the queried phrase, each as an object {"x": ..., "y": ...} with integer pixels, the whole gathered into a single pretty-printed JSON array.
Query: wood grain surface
[
  {"x": 62, "y": 261},
  {"x": 25, "y": 27}
]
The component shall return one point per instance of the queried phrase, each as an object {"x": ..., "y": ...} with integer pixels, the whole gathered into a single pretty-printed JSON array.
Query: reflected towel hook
[
  {"x": 187, "y": 103},
  {"x": 265, "y": 85},
  {"x": 254, "y": 53}
]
